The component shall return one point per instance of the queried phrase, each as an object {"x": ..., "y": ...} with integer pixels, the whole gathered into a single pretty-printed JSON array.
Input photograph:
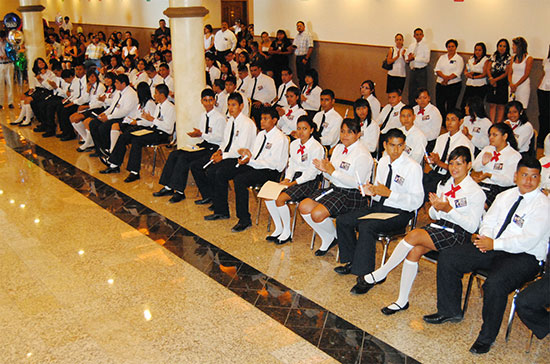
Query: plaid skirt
[
  {"x": 340, "y": 200},
  {"x": 88, "y": 113},
  {"x": 444, "y": 239},
  {"x": 298, "y": 192},
  {"x": 491, "y": 191}
]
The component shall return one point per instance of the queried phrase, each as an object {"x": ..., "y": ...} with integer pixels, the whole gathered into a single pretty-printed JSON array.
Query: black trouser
[
  {"x": 247, "y": 176},
  {"x": 474, "y": 91},
  {"x": 138, "y": 142},
  {"x": 301, "y": 70},
  {"x": 543, "y": 98},
  {"x": 63, "y": 118},
  {"x": 395, "y": 83},
  {"x": 48, "y": 109},
  {"x": 446, "y": 97},
  {"x": 101, "y": 133},
  {"x": 418, "y": 78},
  {"x": 361, "y": 251},
  {"x": 221, "y": 56},
  {"x": 531, "y": 306},
  {"x": 506, "y": 272},
  {"x": 204, "y": 178},
  {"x": 176, "y": 169},
  {"x": 256, "y": 113},
  {"x": 430, "y": 181}
]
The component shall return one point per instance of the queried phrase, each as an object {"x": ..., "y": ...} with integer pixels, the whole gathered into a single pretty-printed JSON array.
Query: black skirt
[
  {"x": 443, "y": 238},
  {"x": 340, "y": 200}
]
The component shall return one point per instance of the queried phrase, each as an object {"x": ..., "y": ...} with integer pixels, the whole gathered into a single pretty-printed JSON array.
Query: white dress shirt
[
  {"x": 156, "y": 80},
  {"x": 62, "y": 86},
  {"x": 244, "y": 134},
  {"x": 168, "y": 81},
  {"x": 288, "y": 122},
  {"x": 374, "y": 106},
  {"x": 224, "y": 41},
  {"x": 214, "y": 73},
  {"x": 46, "y": 76},
  {"x": 467, "y": 205},
  {"x": 476, "y": 68},
  {"x": 330, "y": 134},
  {"x": 415, "y": 143},
  {"x": 502, "y": 166},
  {"x": 79, "y": 91},
  {"x": 165, "y": 117},
  {"x": 523, "y": 134},
  {"x": 313, "y": 96},
  {"x": 447, "y": 66},
  {"x": 407, "y": 192},
  {"x": 302, "y": 161},
  {"x": 357, "y": 161},
  {"x": 370, "y": 135},
  {"x": 264, "y": 90},
  {"x": 222, "y": 98},
  {"x": 281, "y": 93},
  {"x": 274, "y": 154},
  {"x": 479, "y": 129},
  {"x": 545, "y": 172},
  {"x": 149, "y": 108},
  {"x": 457, "y": 140},
  {"x": 138, "y": 77},
  {"x": 393, "y": 121},
  {"x": 96, "y": 90},
  {"x": 216, "y": 126},
  {"x": 244, "y": 84},
  {"x": 123, "y": 104},
  {"x": 528, "y": 230},
  {"x": 429, "y": 121},
  {"x": 421, "y": 53}
]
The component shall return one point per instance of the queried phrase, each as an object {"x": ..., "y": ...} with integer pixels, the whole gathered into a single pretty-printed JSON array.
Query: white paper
[
  {"x": 378, "y": 216},
  {"x": 271, "y": 190}
]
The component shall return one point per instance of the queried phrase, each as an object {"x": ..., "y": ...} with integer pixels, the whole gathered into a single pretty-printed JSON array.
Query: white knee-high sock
[
  {"x": 399, "y": 253},
  {"x": 114, "y": 137},
  {"x": 21, "y": 114},
  {"x": 327, "y": 232},
  {"x": 88, "y": 141},
  {"x": 408, "y": 274},
  {"x": 284, "y": 212},
  {"x": 80, "y": 129},
  {"x": 28, "y": 114},
  {"x": 274, "y": 212}
]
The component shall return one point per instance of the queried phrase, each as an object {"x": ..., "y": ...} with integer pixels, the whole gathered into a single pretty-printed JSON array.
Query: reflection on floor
[{"x": 318, "y": 308}]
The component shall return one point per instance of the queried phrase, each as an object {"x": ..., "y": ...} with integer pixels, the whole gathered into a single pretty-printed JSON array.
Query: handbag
[{"x": 386, "y": 65}]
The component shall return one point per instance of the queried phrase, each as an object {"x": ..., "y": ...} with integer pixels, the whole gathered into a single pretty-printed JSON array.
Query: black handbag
[{"x": 386, "y": 65}]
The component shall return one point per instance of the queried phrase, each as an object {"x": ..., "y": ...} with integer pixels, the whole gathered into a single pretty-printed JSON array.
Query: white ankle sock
[
  {"x": 408, "y": 274},
  {"x": 399, "y": 253},
  {"x": 80, "y": 129},
  {"x": 274, "y": 212},
  {"x": 88, "y": 141},
  {"x": 284, "y": 212},
  {"x": 114, "y": 137}
]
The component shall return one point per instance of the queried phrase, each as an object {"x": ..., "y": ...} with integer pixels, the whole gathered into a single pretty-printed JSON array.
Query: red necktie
[
  {"x": 345, "y": 150},
  {"x": 289, "y": 113},
  {"x": 421, "y": 111},
  {"x": 452, "y": 192},
  {"x": 547, "y": 165},
  {"x": 301, "y": 149},
  {"x": 495, "y": 157}
]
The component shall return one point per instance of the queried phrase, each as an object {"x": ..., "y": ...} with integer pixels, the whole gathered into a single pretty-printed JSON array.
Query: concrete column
[
  {"x": 186, "y": 27},
  {"x": 33, "y": 30}
]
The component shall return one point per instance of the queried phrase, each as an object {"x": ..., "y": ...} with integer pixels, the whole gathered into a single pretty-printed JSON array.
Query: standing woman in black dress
[
  {"x": 279, "y": 51},
  {"x": 497, "y": 97}
]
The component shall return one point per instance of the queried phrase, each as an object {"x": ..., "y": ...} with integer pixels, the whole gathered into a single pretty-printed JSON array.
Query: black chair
[{"x": 387, "y": 237}]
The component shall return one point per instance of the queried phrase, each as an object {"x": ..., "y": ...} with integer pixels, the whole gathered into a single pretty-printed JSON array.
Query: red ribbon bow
[
  {"x": 453, "y": 191},
  {"x": 495, "y": 157},
  {"x": 308, "y": 91},
  {"x": 547, "y": 165},
  {"x": 289, "y": 113},
  {"x": 472, "y": 119},
  {"x": 345, "y": 150},
  {"x": 421, "y": 111},
  {"x": 301, "y": 149}
]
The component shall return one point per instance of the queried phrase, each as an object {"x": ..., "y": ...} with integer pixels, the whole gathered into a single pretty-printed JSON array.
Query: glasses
[{"x": 365, "y": 87}]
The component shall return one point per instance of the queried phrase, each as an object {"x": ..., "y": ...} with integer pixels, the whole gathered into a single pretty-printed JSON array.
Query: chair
[
  {"x": 386, "y": 237},
  {"x": 157, "y": 149}
]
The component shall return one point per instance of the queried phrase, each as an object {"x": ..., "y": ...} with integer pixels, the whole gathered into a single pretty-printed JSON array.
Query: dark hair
[
  {"x": 506, "y": 53},
  {"x": 264, "y": 32},
  {"x": 256, "y": 64},
  {"x": 394, "y": 133},
  {"x": 529, "y": 161},
  {"x": 313, "y": 74},
  {"x": 306, "y": 119},
  {"x": 227, "y": 65},
  {"x": 236, "y": 97},
  {"x": 209, "y": 27},
  {"x": 484, "y": 51},
  {"x": 211, "y": 57},
  {"x": 328, "y": 92},
  {"x": 247, "y": 56},
  {"x": 399, "y": 34},
  {"x": 417, "y": 29},
  {"x": 406, "y": 107},
  {"x": 242, "y": 68},
  {"x": 231, "y": 79},
  {"x": 519, "y": 107},
  {"x": 67, "y": 73},
  {"x": 352, "y": 125},
  {"x": 164, "y": 65},
  {"x": 454, "y": 41},
  {"x": 35, "y": 68},
  {"x": 362, "y": 103},
  {"x": 286, "y": 68},
  {"x": 521, "y": 48},
  {"x": 300, "y": 22},
  {"x": 398, "y": 91},
  {"x": 144, "y": 93},
  {"x": 92, "y": 71},
  {"x": 162, "y": 89},
  {"x": 548, "y": 57},
  {"x": 281, "y": 31},
  {"x": 220, "y": 83},
  {"x": 297, "y": 93},
  {"x": 371, "y": 86},
  {"x": 132, "y": 65},
  {"x": 455, "y": 112},
  {"x": 208, "y": 92},
  {"x": 56, "y": 66},
  {"x": 477, "y": 108},
  {"x": 504, "y": 128},
  {"x": 150, "y": 68},
  {"x": 122, "y": 78},
  {"x": 271, "y": 111},
  {"x": 460, "y": 151},
  {"x": 112, "y": 77}
]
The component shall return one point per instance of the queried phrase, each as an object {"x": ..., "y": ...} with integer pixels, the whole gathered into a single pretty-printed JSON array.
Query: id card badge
[
  {"x": 399, "y": 180},
  {"x": 268, "y": 145},
  {"x": 345, "y": 166},
  {"x": 518, "y": 220},
  {"x": 461, "y": 202},
  {"x": 498, "y": 166},
  {"x": 304, "y": 157}
]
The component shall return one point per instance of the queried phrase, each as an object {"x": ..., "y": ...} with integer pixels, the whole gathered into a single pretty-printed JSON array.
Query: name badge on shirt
[
  {"x": 268, "y": 145},
  {"x": 477, "y": 129},
  {"x": 408, "y": 149},
  {"x": 452, "y": 61},
  {"x": 325, "y": 124},
  {"x": 498, "y": 166},
  {"x": 209, "y": 130},
  {"x": 260, "y": 88},
  {"x": 290, "y": 117},
  {"x": 237, "y": 133},
  {"x": 395, "y": 113},
  {"x": 399, "y": 180},
  {"x": 304, "y": 157},
  {"x": 345, "y": 166},
  {"x": 425, "y": 117},
  {"x": 518, "y": 220},
  {"x": 461, "y": 202}
]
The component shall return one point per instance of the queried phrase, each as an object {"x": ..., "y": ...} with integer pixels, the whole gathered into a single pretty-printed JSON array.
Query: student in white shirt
[
  {"x": 138, "y": 74},
  {"x": 517, "y": 119},
  {"x": 448, "y": 70},
  {"x": 397, "y": 190},
  {"x": 221, "y": 102},
  {"x": 418, "y": 57},
  {"x": 77, "y": 96},
  {"x": 212, "y": 70},
  {"x": 389, "y": 116},
  {"x": 301, "y": 178},
  {"x": 328, "y": 120},
  {"x": 370, "y": 131},
  {"x": 456, "y": 207},
  {"x": 239, "y": 133},
  {"x": 437, "y": 163},
  {"x": 311, "y": 92},
  {"x": 511, "y": 244},
  {"x": 230, "y": 59},
  {"x": 243, "y": 81},
  {"x": 288, "y": 116},
  {"x": 154, "y": 77},
  {"x": 167, "y": 79},
  {"x": 230, "y": 87},
  {"x": 476, "y": 72},
  {"x": 349, "y": 166},
  {"x": 545, "y": 163},
  {"x": 262, "y": 90},
  {"x": 415, "y": 142},
  {"x": 368, "y": 92},
  {"x": 494, "y": 167},
  {"x": 396, "y": 58},
  {"x": 286, "y": 77},
  {"x": 176, "y": 169},
  {"x": 476, "y": 123},
  {"x": 428, "y": 118},
  {"x": 42, "y": 109}
]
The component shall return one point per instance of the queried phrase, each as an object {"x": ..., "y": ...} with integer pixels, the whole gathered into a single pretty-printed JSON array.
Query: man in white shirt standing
[
  {"x": 418, "y": 57},
  {"x": 6, "y": 72},
  {"x": 303, "y": 48},
  {"x": 224, "y": 41}
]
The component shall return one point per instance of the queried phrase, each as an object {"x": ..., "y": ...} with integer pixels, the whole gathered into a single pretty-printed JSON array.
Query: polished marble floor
[{"x": 96, "y": 270}]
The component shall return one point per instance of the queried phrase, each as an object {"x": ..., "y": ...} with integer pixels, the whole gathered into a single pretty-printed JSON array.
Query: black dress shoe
[
  {"x": 343, "y": 269},
  {"x": 281, "y": 242},
  {"x": 480, "y": 348},
  {"x": 110, "y": 170},
  {"x": 95, "y": 154},
  {"x": 177, "y": 197},
  {"x": 204, "y": 201},
  {"x": 60, "y": 135},
  {"x": 40, "y": 129},
  {"x": 163, "y": 192},
  {"x": 390, "y": 311},
  {"x": 66, "y": 138},
  {"x": 48, "y": 134},
  {"x": 11, "y": 106},
  {"x": 132, "y": 177},
  {"x": 80, "y": 150},
  {"x": 81, "y": 142},
  {"x": 216, "y": 217},
  {"x": 241, "y": 226},
  {"x": 272, "y": 238},
  {"x": 211, "y": 207},
  {"x": 437, "y": 318},
  {"x": 362, "y": 287},
  {"x": 320, "y": 253},
  {"x": 16, "y": 123}
]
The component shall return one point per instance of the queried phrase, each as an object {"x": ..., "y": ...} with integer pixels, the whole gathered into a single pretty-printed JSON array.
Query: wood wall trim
[
  {"x": 186, "y": 12},
  {"x": 30, "y": 8}
]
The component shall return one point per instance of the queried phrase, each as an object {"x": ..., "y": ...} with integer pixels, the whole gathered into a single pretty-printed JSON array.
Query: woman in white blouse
[
  {"x": 545, "y": 163},
  {"x": 457, "y": 208},
  {"x": 311, "y": 93},
  {"x": 543, "y": 97},
  {"x": 208, "y": 39},
  {"x": 522, "y": 128},
  {"x": 476, "y": 124},
  {"x": 396, "y": 57},
  {"x": 476, "y": 73},
  {"x": 129, "y": 50},
  {"x": 370, "y": 130},
  {"x": 519, "y": 85},
  {"x": 349, "y": 166},
  {"x": 301, "y": 178},
  {"x": 448, "y": 70},
  {"x": 368, "y": 92}
]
